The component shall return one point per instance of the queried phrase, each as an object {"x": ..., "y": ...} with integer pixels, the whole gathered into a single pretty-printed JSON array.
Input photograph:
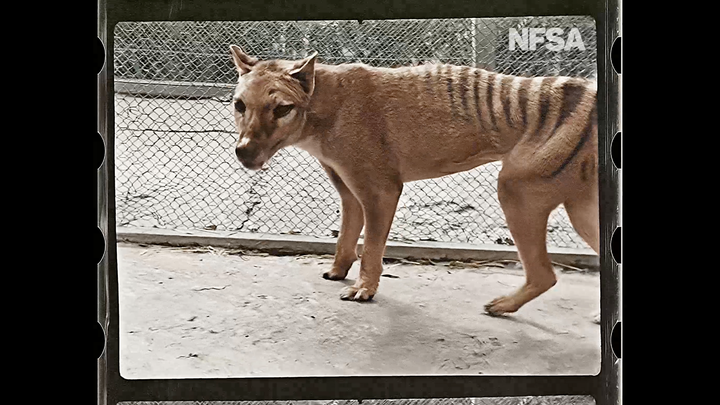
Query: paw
[
  {"x": 356, "y": 294},
  {"x": 596, "y": 318},
  {"x": 335, "y": 275},
  {"x": 500, "y": 306},
  {"x": 340, "y": 268}
]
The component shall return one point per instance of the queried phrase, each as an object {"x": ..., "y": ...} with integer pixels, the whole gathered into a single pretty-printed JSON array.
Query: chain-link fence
[{"x": 175, "y": 135}]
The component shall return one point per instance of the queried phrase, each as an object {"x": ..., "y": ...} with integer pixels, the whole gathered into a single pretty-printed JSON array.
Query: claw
[{"x": 355, "y": 294}]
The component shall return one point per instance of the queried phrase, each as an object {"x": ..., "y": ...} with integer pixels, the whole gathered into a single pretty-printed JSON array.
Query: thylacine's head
[{"x": 269, "y": 104}]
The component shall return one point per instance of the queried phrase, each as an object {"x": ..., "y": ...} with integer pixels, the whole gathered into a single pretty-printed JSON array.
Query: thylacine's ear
[
  {"x": 304, "y": 71},
  {"x": 243, "y": 62}
]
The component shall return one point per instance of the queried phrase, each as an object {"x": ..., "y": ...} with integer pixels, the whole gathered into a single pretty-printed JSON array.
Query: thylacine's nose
[
  {"x": 244, "y": 153},
  {"x": 247, "y": 153},
  {"x": 245, "y": 150}
]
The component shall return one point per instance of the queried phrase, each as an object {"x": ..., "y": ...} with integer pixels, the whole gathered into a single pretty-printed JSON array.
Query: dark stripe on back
[
  {"x": 583, "y": 170},
  {"x": 490, "y": 83},
  {"x": 505, "y": 87},
  {"x": 450, "y": 88},
  {"x": 572, "y": 93},
  {"x": 476, "y": 82},
  {"x": 544, "y": 101},
  {"x": 428, "y": 81},
  {"x": 464, "y": 72},
  {"x": 438, "y": 77},
  {"x": 523, "y": 99},
  {"x": 587, "y": 131}
]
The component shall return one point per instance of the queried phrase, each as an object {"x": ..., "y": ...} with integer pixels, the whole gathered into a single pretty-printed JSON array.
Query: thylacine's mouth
[
  {"x": 254, "y": 166},
  {"x": 257, "y": 164}
]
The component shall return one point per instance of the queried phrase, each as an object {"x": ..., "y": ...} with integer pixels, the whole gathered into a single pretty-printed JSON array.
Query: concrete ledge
[
  {"x": 297, "y": 244},
  {"x": 172, "y": 89}
]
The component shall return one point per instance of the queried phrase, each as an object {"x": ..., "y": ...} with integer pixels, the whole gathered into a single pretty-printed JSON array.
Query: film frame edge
[{"x": 107, "y": 305}]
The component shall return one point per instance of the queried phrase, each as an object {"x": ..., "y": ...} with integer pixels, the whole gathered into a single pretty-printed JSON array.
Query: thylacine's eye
[
  {"x": 282, "y": 110},
  {"x": 240, "y": 106}
]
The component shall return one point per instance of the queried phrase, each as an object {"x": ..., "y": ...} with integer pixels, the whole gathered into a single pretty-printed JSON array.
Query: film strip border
[{"x": 112, "y": 388}]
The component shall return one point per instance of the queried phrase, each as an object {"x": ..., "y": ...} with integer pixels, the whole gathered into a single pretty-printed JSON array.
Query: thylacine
[{"x": 374, "y": 129}]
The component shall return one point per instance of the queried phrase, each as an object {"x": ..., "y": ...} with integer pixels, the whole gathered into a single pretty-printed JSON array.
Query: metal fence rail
[{"x": 175, "y": 163}]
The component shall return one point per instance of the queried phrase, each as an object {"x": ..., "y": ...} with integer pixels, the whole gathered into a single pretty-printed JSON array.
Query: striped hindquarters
[
  {"x": 566, "y": 116},
  {"x": 557, "y": 115}
]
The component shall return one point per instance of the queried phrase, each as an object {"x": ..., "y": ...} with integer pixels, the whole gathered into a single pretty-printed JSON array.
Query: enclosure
[
  {"x": 175, "y": 162},
  {"x": 198, "y": 312}
]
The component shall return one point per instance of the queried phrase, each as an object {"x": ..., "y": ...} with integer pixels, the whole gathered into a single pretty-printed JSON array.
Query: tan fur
[{"x": 374, "y": 129}]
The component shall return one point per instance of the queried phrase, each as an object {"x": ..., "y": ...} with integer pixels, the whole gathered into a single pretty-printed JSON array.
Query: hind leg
[
  {"x": 527, "y": 206},
  {"x": 584, "y": 213}
]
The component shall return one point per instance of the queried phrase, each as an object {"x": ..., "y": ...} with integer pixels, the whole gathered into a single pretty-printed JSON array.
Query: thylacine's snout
[{"x": 249, "y": 154}]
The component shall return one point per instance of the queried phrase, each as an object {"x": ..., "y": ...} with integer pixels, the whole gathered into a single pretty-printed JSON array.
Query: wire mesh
[{"x": 175, "y": 162}]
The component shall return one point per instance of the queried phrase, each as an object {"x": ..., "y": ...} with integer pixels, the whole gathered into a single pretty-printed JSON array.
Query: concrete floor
[{"x": 197, "y": 315}]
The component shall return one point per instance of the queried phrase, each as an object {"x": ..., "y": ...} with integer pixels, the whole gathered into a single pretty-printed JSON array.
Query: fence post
[
  {"x": 473, "y": 33},
  {"x": 484, "y": 57}
]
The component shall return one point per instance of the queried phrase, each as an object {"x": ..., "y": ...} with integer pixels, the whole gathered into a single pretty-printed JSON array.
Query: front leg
[
  {"x": 379, "y": 202},
  {"x": 350, "y": 228}
]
